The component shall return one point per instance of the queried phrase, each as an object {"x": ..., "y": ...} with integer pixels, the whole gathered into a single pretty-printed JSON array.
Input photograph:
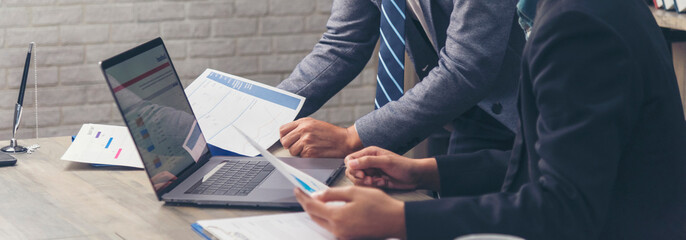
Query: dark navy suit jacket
[{"x": 601, "y": 152}]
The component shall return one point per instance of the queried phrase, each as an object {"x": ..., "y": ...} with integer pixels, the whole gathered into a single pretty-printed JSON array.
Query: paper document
[
  {"x": 279, "y": 226},
  {"x": 298, "y": 178},
  {"x": 221, "y": 100},
  {"x": 104, "y": 144}
]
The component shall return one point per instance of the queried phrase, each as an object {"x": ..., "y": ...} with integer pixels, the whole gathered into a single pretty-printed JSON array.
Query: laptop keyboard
[{"x": 235, "y": 178}]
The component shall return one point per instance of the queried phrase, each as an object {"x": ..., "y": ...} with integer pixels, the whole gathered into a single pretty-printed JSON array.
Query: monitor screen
[{"x": 156, "y": 111}]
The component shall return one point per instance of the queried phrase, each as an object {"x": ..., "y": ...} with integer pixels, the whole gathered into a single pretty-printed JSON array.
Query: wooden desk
[{"x": 43, "y": 197}]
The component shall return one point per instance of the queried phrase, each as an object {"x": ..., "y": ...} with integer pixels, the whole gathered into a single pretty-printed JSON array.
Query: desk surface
[{"x": 43, "y": 197}]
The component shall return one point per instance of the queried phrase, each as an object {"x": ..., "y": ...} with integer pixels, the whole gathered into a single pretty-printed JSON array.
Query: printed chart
[
  {"x": 221, "y": 100},
  {"x": 103, "y": 144}
]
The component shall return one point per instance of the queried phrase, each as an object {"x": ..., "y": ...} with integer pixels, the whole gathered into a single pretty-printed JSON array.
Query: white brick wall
[{"x": 259, "y": 39}]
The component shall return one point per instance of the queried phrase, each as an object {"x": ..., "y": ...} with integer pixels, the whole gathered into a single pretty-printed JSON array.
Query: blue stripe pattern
[{"x": 391, "y": 72}]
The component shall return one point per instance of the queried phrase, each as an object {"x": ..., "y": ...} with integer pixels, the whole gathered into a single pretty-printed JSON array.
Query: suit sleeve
[
  {"x": 474, "y": 52},
  {"x": 340, "y": 55},
  {"x": 587, "y": 97}
]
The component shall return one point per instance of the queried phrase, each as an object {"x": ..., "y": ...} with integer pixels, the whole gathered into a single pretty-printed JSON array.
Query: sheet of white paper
[
  {"x": 104, "y": 144},
  {"x": 221, "y": 100},
  {"x": 669, "y": 4},
  {"x": 298, "y": 178},
  {"x": 279, "y": 226}
]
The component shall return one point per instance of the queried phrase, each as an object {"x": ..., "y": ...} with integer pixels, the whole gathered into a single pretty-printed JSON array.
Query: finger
[
  {"x": 359, "y": 182},
  {"x": 288, "y": 127},
  {"x": 335, "y": 194},
  {"x": 368, "y": 151},
  {"x": 368, "y": 180},
  {"x": 351, "y": 173},
  {"x": 321, "y": 222},
  {"x": 369, "y": 162},
  {"x": 372, "y": 172},
  {"x": 290, "y": 138},
  {"x": 296, "y": 148},
  {"x": 379, "y": 182},
  {"x": 310, "y": 205}
]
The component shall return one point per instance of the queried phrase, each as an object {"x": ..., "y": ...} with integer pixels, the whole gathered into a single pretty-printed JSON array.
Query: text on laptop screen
[{"x": 158, "y": 114}]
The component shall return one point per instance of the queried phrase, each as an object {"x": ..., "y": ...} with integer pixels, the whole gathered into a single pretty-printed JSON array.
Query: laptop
[{"x": 175, "y": 155}]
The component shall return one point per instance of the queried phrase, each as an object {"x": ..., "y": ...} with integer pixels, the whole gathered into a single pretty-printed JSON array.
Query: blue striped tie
[{"x": 390, "y": 76}]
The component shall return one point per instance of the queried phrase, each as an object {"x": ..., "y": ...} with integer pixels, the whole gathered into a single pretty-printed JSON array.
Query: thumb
[
  {"x": 369, "y": 162},
  {"x": 368, "y": 151},
  {"x": 334, "y": 194}
]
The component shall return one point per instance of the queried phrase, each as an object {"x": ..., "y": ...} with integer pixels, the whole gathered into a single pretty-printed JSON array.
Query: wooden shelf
[
  {"x": 669, "y": 19},
  {"x": 676, "y": 21}
]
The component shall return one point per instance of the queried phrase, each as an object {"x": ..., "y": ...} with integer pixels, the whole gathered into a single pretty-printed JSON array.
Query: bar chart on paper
[
  {"x": 103, "y": 144},
  {"x": 221, "y": 100}
]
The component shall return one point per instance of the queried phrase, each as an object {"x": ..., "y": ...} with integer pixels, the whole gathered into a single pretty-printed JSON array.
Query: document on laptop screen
[{"x": 221, "y": 100}]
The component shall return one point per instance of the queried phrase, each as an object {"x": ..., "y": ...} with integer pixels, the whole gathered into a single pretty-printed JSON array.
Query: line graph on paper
[{"x": 221, "y": 100}]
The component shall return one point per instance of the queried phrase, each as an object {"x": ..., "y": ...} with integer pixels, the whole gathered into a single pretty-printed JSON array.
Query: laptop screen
[{"x": 156, "y": 111}]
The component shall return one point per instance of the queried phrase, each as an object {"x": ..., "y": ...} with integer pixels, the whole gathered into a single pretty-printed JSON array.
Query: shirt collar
[{"x": 526, "y": 9}]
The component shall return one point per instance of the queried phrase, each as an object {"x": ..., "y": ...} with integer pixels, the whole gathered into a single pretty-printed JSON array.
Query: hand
[
  {"x": 368, "y": 212},
  {"x": 308, "y": 137},
  {"x": 381, "y": 168}
]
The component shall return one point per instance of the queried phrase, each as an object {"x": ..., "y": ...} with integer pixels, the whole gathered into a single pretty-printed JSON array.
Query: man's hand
[
  {"x": 308, "y": 137},
  {"x": 368, "y": 212},
  {"x": 381, "y": 168}
]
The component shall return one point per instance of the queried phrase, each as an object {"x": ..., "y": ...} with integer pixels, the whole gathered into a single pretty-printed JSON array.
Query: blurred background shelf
[
  {"x": 669, "y": 19},
  {"x": 673, "y": 26}
]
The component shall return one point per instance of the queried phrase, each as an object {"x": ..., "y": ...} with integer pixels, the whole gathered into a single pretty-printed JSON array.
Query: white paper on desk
[
  {"x": 279, "y": 226},
  {"x": 221, "y": 100},
  {"x": 298, "y": 178},
  {"x": 104, "y": 144},
  {"x": 669, "y": 4}
]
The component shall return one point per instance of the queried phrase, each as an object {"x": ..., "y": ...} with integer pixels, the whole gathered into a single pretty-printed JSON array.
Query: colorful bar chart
[
  {"x": 104, "y": 145},
  {"x": 108, "y": 143}
]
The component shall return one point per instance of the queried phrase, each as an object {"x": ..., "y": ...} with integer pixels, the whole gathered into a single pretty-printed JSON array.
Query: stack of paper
[
  {"x": 280, "y": 226},
  {"x": 220, "y": 101}
]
